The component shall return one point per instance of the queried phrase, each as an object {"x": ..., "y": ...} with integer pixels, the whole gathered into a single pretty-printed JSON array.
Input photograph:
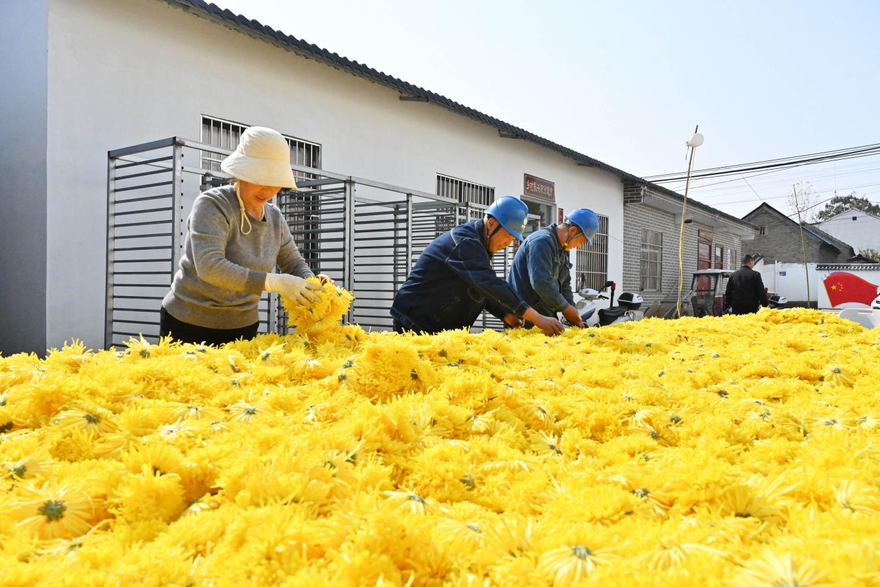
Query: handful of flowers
[{"x": 333, "y": 303}]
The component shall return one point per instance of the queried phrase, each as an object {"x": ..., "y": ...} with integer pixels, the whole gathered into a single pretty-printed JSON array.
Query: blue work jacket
[
  {"x": 452, "y": 282},
  {"x": 541, "y": 273}
]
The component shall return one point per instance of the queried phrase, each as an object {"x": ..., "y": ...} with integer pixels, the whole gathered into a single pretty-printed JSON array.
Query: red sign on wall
[
  {"x": 541, "y": 189},
  {"x": 561, "y": 216}
]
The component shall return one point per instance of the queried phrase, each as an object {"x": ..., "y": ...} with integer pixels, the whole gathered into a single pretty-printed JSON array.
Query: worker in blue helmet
[
  {"x": 453, "y": 280},
  {"x": 541, "y": 269}
]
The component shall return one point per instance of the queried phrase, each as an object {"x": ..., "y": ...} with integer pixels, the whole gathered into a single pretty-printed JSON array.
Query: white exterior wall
[
  {"x": 23, "y": 95},
  {"x": 123, "y": 72},
  {"x": 790, "y": 280},
  {"x": 861, "y": 233}
]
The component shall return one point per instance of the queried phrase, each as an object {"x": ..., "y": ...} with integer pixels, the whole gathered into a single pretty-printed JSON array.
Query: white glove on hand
[{"x": 294, "y": 288}]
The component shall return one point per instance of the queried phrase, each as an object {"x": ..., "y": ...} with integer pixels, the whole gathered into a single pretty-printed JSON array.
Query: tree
[
  {"x": 873, "y": 254},
  {"x": 802, "y": 200},
  {"x": 839, "y": 204}
]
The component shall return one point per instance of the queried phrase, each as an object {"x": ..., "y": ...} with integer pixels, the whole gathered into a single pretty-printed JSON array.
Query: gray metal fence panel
[{"x": 143, "y": 204}]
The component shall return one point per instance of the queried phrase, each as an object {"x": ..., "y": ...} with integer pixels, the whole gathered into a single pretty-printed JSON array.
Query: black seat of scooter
[{"x": 609, "y": 315}]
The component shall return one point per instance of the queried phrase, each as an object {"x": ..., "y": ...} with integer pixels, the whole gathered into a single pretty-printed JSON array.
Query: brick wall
[
  {"x": 781, "y": 241},
  {"x": 632, "y": 193},
  {"x": 637, "y": 216}
]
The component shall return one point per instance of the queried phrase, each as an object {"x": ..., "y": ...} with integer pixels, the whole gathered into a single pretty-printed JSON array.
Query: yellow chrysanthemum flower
[
  {"x": 51, "y": 512},
  {"x": 772, "y": 570}
]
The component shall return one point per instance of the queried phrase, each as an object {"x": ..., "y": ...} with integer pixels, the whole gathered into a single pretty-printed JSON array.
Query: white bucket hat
[{"x": 262, "y": 157}]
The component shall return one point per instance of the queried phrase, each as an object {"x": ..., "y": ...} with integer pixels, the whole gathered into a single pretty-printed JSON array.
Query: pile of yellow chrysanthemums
[{"x": 736, "y": 450}]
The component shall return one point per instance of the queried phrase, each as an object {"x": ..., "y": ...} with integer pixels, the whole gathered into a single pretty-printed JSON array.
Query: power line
[
  {"x": 772, "y": 164},
  {"x": 792, "y": 158},
  {"x": 781, "y": 159},
  {"x": 781, "y": 180},
  {"x": 872, "y": 182},
  {"x": 777, "y": 166},
  {"x": 715, "y": 204},
  {"x": 750, "y": 187},
  {"x": 729, "y": 181}
]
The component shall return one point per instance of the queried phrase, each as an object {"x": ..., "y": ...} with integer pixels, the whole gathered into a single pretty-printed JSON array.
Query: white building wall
[
  {"x": 859, "y": 230},
  {"x": 23, "y": 95},
  {"x": 790, "y": 280},
  {"x": 128, "y": 71}
]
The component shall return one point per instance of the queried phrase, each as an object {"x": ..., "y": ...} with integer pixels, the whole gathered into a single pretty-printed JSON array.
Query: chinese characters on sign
[{"x": 541, "y": 189}]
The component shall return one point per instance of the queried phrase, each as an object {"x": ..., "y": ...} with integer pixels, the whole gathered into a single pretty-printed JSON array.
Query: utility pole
[
  {"x": 797, "y": 207},
  {"x": 692, "y": 143}
]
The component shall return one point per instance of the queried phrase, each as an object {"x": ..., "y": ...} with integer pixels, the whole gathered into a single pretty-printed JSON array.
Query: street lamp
[{"x": 692, "y": 143}]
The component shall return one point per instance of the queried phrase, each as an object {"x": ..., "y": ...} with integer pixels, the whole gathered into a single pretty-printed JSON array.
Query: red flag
[{"x": 845, "y": 287}]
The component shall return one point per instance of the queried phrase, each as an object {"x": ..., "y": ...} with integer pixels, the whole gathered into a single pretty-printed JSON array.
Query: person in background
[
  {"x": 453, "y": 280},
  {"x": 745, "y": 291},
  {"x": 235, "y": 238},
  {"x": 541, "y": 269}
]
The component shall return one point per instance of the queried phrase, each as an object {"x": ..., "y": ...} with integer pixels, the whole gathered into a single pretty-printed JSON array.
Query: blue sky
[{"x": 625, "y": 82}]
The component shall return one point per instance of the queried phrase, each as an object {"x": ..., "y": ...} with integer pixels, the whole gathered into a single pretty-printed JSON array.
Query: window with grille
[
  {"x": 225, "y": 135},
  {"x": 465, "y": 192},
  {"x": 591, "y": 269},
  {"x": 651, "y": 260}
]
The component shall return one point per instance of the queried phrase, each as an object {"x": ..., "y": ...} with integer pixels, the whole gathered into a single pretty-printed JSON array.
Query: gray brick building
[
  {"x": 651, "y": 227},
  {"x": 779, "y": 239}
]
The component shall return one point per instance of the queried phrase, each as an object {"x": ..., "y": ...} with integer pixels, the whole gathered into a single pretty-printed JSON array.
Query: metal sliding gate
[
  {"x": 364, "y": 234},
  {"x": 144, "y": 228}
]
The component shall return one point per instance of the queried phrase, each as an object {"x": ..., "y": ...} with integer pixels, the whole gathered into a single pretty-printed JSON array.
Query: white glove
[{"x": 294, "y": 288}]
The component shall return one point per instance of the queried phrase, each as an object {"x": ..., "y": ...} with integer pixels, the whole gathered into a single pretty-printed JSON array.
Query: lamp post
[{"x": 692, "y": 143}]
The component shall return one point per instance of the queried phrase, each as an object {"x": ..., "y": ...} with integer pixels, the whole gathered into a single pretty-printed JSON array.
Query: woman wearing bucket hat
[{"x": 234, "y": 240}]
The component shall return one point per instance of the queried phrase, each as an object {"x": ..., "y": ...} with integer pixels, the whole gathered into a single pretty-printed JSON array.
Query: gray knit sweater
[{"x": 222, "y": 272}]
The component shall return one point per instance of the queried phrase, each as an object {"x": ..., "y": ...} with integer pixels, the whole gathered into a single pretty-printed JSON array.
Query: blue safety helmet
[
  {"x": 511, "y": 213},
  {"x": 586, "y": 220}
]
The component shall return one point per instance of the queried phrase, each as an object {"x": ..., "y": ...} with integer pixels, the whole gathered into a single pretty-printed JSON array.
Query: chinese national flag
[{"x": 845, "y": 287}]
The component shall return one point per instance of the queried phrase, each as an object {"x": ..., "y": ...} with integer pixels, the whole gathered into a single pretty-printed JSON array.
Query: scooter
[
  {"x": 776, "y": 301},
  {"x": 628, "y": 303}
]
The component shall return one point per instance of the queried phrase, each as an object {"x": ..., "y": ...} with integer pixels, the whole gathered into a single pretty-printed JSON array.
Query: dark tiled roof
[
  {"x": 820, "y": 237},
  {"x": 406, "y": 89},
  {"x": 810, "y": 229}
]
